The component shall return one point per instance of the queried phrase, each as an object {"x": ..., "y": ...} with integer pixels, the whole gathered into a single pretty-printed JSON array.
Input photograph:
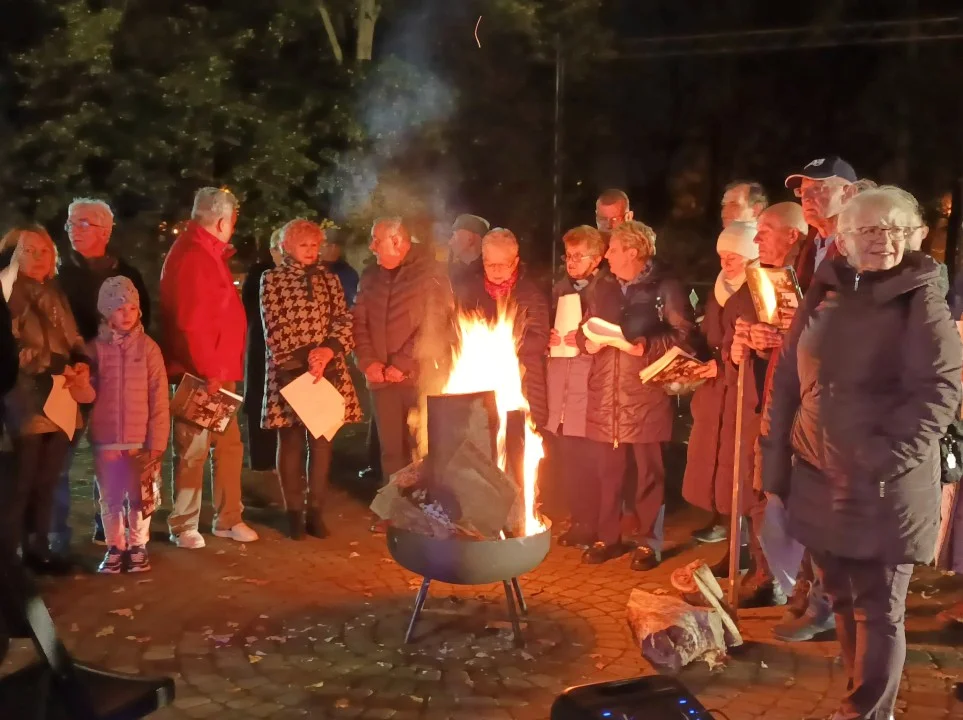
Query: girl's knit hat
[{"x": 115, "y": 292}]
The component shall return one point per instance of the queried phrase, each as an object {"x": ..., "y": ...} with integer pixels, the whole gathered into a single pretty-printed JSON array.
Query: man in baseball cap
[{"x": 821, "y": 187}]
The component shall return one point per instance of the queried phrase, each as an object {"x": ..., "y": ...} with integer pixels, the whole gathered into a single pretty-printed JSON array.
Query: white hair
[
  {"x": 92, "y": 203},
  {"x": 212, "y": 204},
  {"x": 500, "y": 238},
  {"x": 889, "y": 195}
]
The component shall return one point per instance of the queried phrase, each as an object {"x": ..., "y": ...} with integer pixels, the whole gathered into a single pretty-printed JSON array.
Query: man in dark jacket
[
  {"x": 567, "y": 379},
  {"x": 83, "y": 269},
  {"x": 504, "y": 282},
  {"x": 465, "y": 249},
  {"x": 401, "y": 320},
  {"x": 654, "y": 312}
]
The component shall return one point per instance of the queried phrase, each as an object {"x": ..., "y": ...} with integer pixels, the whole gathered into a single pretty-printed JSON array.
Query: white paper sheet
[
  {"x": 568, "y": 316},
  {"x": 61, "y": 408},
  {"x": 319, "y": 405},
  {"x": 605, "y": 333}
]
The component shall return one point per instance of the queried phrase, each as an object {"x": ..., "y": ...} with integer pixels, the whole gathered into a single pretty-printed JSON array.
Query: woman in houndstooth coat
[{"x": 307, "y": 328}]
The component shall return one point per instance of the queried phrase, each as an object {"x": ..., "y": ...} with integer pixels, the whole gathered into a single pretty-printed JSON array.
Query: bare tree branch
[{"x": 329, "y": 29}]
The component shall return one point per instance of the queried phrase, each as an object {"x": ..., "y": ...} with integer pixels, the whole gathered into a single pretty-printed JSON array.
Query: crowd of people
[{"x": 844, "y": 407}]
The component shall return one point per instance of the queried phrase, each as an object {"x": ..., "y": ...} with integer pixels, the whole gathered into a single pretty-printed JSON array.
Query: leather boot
[
  {"x": 315, "y": 524},
  {"x": 295, "y": 524}
]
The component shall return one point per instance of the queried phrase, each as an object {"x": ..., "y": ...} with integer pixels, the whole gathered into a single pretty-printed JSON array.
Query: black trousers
[
  {"x": 38, "y": 461},
  {"x": 580, "y": 484},
  {"x": 649, "y": 497},
  {"x": 293, "y": 444},
  {"x": 261, "y": 444},
  {"x": 392, "y": 405},
  {"x": 869, "y": 600}
]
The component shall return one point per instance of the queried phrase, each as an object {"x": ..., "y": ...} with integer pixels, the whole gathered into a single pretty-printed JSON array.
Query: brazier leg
[
  {"x": 513, "y": 615},
  {"x": 523, "y": 608},
  {"x": 419, "y": 604}
]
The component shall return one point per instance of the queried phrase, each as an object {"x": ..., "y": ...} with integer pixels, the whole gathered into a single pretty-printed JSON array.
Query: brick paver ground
[{"x": 280, "y": 629}]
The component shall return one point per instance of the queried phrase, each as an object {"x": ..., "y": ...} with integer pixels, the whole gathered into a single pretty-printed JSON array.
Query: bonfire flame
[{"x": 486, "y": 359}]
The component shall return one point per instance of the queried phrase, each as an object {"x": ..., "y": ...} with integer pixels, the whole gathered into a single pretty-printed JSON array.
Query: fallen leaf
[
  {"x": 75, "y": 628},
  {"x": 138, "y": 607},
  {"x": 233, "y": 625},
  {"x": 660, "y": 591},
  {"x": 260, "y": 654},
  {"x": 600, "y": 666},
  {"x": 927, "y": 597},
  {"x": 221, "y": 639},
  {"x": 353, "y": 555},
  {"x": 105, "y": 631},
  {"x": 386, "y": 560},
  {"x": 316, "y": 685},
  {"x": 595, "y": 656},
  {"x": 527, "y": 656},
  {"x": 231, "y": 578},
  {"x": 250, "y": 639},
  {"x": 221, "y": 552},
  {"x": 263, "y": 617},
  {"x": 141, "y": 582},
  {"x": 123, "y": 612},
  {"x": 417, "y": 699},
  {"x": 223, "y": 597},
  {"x": 254, "y": 659},
  {"x": 763, "y": 665},
  {"x": 353, "y": 544},
  {"x": 119, "y": 590},
  {"x": 259, "y": 583},
  {"x": 342, "y": 703}
]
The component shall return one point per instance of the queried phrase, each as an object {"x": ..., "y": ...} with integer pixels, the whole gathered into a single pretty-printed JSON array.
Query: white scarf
[{"x": 725, "y": 289}]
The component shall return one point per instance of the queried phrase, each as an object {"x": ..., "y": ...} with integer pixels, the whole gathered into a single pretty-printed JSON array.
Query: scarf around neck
[
  {"x": 725, "y": 289},
  {"x": 501, "y": 290}
]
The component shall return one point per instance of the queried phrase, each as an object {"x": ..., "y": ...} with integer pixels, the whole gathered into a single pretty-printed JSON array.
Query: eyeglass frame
[
  {"x": 905, "y": 232},
  {"x": 577, "y": 258},
  {"x": 85, "y": 224}
]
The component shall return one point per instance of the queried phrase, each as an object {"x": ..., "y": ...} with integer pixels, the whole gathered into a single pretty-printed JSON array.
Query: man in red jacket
[{"x": 204, "y": 329}]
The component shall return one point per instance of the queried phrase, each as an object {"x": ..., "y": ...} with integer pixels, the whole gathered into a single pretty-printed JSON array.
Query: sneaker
[
  {"x": 803, "y": 629},
  {"x": 99, "y": 538},
  {"x": 113, "y": 562},
  {"x": 138, "y": 560},
  {"x": 241, "y": 533},
  {"x": 189, "y": 540},
  {"x": 714, "y": 534}
]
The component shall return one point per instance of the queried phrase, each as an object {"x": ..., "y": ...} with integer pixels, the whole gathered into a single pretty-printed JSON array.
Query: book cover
[
  {"x": 775, "y": 294},
  {"x": 675, "y": 372},
  {"x": 192, "y": 403},
  {"x": 150, "y": 483}
]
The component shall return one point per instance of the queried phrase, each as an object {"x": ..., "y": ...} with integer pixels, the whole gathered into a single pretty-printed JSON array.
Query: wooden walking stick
[{"x": 735, "y": 530}]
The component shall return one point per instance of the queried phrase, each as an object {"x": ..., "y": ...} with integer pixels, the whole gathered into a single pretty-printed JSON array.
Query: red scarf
[{"x": 501, "y": 290}]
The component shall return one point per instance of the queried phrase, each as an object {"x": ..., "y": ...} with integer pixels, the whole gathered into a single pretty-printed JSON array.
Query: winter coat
[
  {"x": 865, "y": 387},
  {"x": 462, "y": 274},
  {"x": 254, "y": 358},
  {"x": 403, "y": 317},
  {"x": 531, "y": 326},
  {"x": 202, "y": 318},
  {"x": 132, "y": 405},
  {"x": 655, "y": 309},
  {"x": 708, "y": 474},
  {"x": 303, "y": 309},
  {"x": 348, "y": 277},
  {"x": 567, "y": 378},
  {"x": 47, "y": 341},
  {"x": 81, "y": 279}
]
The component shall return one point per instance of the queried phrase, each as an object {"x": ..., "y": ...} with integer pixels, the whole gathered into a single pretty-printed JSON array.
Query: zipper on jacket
[
  {"x": 856, "y": 286},
  {"x": 615, "y": 404},
  {"x": 882, "y": 489}
]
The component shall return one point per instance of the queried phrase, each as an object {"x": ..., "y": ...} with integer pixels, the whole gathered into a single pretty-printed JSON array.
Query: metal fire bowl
[{"x": 469, "y": 562}]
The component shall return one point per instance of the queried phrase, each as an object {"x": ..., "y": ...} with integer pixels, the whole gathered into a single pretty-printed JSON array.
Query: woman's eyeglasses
[
  {"x": 576, "y": 258},
  {"x": 895, "y": 232}
]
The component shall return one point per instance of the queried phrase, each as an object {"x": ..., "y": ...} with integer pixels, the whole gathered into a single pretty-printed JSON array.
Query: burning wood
[{"x": 479, "y": 475}]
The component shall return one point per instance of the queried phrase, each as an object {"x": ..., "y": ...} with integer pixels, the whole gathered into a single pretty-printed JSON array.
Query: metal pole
[
  {"x": 557, "y": 155},
  {"x": 735, "y": 530}
]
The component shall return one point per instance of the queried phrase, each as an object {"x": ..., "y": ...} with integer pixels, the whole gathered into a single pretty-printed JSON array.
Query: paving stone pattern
[{"x": 314, "y": 629}]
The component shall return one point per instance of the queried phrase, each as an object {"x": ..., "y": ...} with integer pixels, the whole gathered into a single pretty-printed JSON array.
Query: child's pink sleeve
[{"x": 159, "y": 417}]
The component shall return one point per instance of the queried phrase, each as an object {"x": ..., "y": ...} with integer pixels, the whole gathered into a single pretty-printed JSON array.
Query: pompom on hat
[
  {"x": 739, "y": 238},
  {"x": 115, "y": 292}
]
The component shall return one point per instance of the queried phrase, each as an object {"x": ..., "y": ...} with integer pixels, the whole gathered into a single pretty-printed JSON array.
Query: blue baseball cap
[{"x": 821, "y": 169}]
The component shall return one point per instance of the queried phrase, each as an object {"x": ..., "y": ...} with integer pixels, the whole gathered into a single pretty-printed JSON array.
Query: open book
[
  {"x": 674, "y": 371},
  {"x": 605, "y": 333},
  {"x": 192, "y": 403},
  {"x": 775, "y": 294}
]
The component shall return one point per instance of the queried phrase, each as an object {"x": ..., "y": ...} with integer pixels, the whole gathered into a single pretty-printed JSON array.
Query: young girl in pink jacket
[{"x": 129, "y": 423}]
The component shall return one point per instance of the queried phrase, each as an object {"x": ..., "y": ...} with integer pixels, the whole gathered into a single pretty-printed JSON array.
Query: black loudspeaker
[{"x": 645, "y": 698}]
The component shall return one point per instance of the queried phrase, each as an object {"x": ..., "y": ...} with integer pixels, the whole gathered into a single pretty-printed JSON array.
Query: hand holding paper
[
  {"x": 567, "y": 319},
  {"x": 317, "y": 403}
]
